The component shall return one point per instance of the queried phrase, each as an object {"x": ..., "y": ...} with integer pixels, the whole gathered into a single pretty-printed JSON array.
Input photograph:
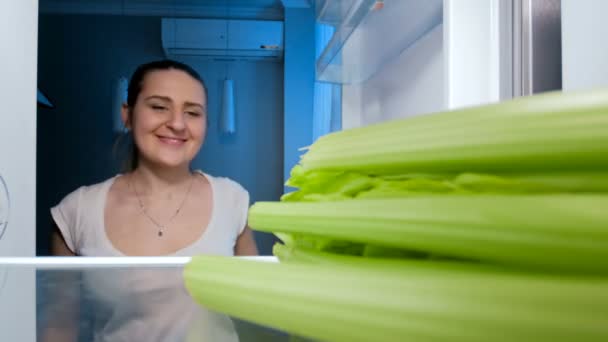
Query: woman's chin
[{"x": 169, "y": 163}]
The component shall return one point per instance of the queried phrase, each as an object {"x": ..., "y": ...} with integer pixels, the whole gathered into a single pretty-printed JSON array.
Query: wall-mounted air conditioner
[{"x": 220, "y": 38}]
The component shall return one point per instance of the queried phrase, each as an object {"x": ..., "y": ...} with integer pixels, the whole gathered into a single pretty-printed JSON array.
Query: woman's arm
[
  {"x": 245, "y": 243},
  {"x": 58, "y": 246}
]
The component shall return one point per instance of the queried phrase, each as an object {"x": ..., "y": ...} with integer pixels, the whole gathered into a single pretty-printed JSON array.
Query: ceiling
[{"x": 244, "y": 9}]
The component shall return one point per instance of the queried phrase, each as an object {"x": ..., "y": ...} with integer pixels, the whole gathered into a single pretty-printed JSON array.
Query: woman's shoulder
[
  {"x": 227, "y": 185},
  {"x": 86, "y": 191}
]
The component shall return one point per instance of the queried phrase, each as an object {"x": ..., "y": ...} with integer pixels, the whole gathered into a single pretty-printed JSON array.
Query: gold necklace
[{"x": 160, "y": 227}]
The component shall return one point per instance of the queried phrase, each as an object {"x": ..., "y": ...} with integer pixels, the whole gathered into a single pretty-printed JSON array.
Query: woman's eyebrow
[
  {"x": 194, "y": 104},
  {"x": 158, "y": 97},
  {"x": 168, "y": 99}
]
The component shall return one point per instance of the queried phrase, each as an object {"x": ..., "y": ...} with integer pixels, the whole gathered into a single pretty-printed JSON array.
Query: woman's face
[{"x": 169, "y": 118}]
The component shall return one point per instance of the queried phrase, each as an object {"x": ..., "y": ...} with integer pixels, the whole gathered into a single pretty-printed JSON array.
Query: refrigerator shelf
[{"x": 87, "y": 295}]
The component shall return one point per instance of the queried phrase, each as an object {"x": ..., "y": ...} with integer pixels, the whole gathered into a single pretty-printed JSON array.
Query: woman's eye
[
  {"x": 159, "y": 108},
  {"x": 193, "y": 113}
]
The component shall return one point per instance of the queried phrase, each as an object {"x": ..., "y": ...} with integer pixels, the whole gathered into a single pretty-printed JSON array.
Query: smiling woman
[{"x": 159, "y": 205}]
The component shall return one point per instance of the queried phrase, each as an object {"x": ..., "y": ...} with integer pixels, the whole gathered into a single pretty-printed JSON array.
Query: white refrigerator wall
[
  {"x": 584, "y": 48},
  {"x": 410, "y": 85},
  {"x": 478, "y": 50},
  {"x": 18, "y": 60}
]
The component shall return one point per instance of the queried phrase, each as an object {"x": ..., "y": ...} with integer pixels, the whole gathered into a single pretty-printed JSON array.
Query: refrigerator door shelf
[{"x": 365, "y": 36}]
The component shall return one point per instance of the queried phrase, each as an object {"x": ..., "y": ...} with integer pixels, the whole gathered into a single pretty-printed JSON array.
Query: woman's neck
[{"x": 151, "y": 181}]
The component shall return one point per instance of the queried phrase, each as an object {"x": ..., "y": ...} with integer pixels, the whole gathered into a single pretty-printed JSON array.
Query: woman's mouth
[{"x": 172, "y": 141}]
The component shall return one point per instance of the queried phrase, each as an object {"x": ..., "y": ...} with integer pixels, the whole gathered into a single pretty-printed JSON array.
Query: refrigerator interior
[{"x": 447, "y": 56}]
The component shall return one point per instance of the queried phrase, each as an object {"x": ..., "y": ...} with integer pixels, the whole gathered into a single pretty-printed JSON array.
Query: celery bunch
[{"x": 486, "y": 223}]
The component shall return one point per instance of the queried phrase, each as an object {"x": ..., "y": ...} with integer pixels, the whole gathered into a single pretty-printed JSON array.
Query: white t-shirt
[{"x": 149, "y": 304}]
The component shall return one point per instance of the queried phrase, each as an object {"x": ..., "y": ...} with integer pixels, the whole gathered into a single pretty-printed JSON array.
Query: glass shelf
[
  {"x": 369, "y": 34},
  {"x": 144, "y": 296}
]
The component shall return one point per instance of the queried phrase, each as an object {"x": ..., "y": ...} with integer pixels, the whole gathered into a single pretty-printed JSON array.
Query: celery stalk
[
  {"x": 401, "y": 301},
  {"x": 552, "y": 131},
  {"x": 552, "y": 232}
]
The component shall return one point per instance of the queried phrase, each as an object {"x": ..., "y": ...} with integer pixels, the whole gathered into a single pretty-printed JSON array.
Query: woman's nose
[{"x": 177, "y": 121}]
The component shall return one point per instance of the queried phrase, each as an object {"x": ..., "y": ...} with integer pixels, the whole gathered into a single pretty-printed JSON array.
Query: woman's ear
[{"x": 124, "y": 114}]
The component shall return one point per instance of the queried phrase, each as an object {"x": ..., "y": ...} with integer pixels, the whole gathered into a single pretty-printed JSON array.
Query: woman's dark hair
[{"x": 134, "y": 89}]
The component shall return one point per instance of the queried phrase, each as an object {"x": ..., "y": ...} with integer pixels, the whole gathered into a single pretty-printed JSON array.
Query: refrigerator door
[{"x": 18, "y": 38}]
